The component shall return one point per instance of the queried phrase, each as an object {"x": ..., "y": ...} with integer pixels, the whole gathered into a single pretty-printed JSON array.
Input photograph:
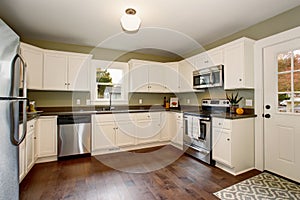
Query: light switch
[{"x": 249, "y": 102}]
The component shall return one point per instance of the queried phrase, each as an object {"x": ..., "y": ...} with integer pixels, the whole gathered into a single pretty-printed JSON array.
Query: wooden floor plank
[{"x": 133, "y": 178}]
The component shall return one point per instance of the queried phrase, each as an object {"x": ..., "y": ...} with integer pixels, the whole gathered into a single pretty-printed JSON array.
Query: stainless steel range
[{"x": 197, "y": 137}]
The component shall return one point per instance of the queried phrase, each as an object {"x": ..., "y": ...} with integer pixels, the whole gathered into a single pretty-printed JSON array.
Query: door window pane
[
  {"x": 284, "y": 82},
  {"x": 284, "y": 102},
  {"x": 297, "y": 60},
  {"x": 297, "y": 81},
  {"x": 284, "y": 62}
]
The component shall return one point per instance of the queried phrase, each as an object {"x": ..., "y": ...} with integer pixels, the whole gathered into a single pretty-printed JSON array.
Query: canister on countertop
[{"x": 32, "y": 106}]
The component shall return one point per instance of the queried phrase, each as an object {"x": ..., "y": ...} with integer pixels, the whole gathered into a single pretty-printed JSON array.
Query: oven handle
[{"x": 197, "y": 149}]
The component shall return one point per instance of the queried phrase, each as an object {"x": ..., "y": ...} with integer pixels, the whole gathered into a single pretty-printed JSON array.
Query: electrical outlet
[
  {"x": 249, "y": 102},
  {"x": 140, "y": 101},
  {"x": 78, "y": 101},
  {"x": 188, "y": 101}
]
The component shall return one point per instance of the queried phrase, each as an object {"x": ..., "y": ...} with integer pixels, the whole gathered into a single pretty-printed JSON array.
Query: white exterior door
[{"x": 282, "y": 109}]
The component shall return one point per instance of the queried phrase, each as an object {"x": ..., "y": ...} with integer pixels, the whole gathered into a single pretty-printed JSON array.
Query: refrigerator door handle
[
  {"x": 13, "y": 64},
  {"x": 13, "y": 140}
]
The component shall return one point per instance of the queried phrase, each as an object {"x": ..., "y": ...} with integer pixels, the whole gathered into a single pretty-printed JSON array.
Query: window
[
  {"x": 288, "y": 76},
  {"x": 110, "y": 81}
]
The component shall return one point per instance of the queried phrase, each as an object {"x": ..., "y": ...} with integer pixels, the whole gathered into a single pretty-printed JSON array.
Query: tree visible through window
[
  {"x": 109, "y": 82},
  {"x": 288, "y": 76}
]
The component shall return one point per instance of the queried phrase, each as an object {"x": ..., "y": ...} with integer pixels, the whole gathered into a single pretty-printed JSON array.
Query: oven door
[{"x": 201, "y": 130}]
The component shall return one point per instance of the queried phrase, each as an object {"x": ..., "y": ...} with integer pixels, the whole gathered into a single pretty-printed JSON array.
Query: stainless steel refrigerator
[{"x": 12, "y": 69}]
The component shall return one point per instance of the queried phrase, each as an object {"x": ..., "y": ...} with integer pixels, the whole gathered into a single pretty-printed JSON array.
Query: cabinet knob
[
  {"x": 240, "y": 79},
  {"x": 228, "y": 139},
  {"x": 34, "y": 138},
  {"x": 220, "y": 124}
]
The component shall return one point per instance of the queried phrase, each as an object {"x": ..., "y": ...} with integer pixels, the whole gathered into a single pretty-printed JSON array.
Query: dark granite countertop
[{"x": 234, "y": 116}]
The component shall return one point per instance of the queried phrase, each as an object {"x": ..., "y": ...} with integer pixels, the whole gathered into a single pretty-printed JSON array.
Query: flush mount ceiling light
[{"x": 129, "y": 21}]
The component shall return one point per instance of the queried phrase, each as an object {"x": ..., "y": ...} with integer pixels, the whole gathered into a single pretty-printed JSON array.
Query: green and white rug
[{"x": 264, "y": 186}]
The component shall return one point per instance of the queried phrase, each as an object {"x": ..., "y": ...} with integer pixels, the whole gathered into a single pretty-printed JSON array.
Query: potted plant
[
  {"x": 234, "y": 101},
  {"x": 102, "y": 77}
]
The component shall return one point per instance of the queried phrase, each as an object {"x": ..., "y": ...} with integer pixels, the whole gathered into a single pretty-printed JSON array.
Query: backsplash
[{"x": 69, "y": 98}]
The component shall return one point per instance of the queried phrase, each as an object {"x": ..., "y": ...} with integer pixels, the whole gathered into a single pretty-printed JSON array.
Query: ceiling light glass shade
[{"x": 130, "y": 22}]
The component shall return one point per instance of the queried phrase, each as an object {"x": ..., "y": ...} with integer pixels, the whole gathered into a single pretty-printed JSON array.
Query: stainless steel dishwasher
[{"x": 74, "y": 135}]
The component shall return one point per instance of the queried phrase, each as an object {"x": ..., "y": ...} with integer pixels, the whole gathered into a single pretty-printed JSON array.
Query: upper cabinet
[
  {"x": 34, "y": 59},
  {"x": 66, "y": 71},
  {"x": 239, "y": 64},
  {"x": 147, "y": 76},
  {"x": 207, "y": 59}
]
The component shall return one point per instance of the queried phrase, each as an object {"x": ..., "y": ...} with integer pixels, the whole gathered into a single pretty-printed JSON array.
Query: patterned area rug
[{"x": 264, "y": 186}]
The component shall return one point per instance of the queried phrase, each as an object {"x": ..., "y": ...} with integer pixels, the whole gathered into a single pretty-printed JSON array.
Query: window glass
[
  {"x": 109, "y": 83},
  {"x": 297, "y": 60},
  {"x": 284, "y": 62},
  {"x": 288, "y": 74},
  {"x": 284, "y": 82}
]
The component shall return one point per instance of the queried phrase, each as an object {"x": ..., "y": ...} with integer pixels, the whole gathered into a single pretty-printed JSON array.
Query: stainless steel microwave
[{"x": 208, "y": 77}]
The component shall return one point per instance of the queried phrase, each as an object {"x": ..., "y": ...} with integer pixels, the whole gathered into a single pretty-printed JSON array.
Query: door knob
[{"x": 267, "y": 116}]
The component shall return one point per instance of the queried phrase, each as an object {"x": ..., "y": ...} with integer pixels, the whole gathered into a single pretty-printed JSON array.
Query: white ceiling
[{"x": 177, "y": 26}]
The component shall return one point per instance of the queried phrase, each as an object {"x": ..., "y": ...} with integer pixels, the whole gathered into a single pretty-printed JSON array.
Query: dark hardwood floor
[{"x": 160, "y": 173}]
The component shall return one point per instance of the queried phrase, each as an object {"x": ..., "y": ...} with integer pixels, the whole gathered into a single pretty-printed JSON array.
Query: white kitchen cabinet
[
  {"x": 171, "y": 77},
  {"x": 47, "y": 137},
  {"x": 66, "y": 71},
  {"x": 112, "y": 131},
  {"x": 185, "y": 71},
  {"x": 33, "y": 56},
  {"x": 22, "y": 156},
  {"x": 30, "y": 144},
  {"x": 148, "y": 127},
  {"x": 146, "y": 76},
  {"x": 233, "y": 144},
  {"x": 239, "y": 64},
  {"x": 207, "y": 59},
  {"x": 27, "y": 149},
  {"x": 176, "y": 129}
]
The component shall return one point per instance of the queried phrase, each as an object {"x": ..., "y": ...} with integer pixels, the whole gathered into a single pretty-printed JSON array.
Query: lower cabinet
[
  {"x": 27, "y": 149},
  {"x": 233, "y": 144},
  {"x": 176, "y": 130},
  {"x": 47, "y": 138},
  {"x": 128, "y": 131}
]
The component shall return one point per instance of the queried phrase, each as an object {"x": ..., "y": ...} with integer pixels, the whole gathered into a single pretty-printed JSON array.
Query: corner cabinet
[
  {"x": 66, "y": 71},
  {"x": 239, "y": 64},
  {"x": 33, "y": 56},
  {"x": 233, "y": 144}
]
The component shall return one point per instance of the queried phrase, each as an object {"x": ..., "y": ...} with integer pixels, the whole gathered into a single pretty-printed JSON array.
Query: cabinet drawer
[
  {"x": 221, "y": 123},
  {"x": 147, "y": 116},
  {"x": 31, "y": 125},
  {"x": 103, "y": 118}
]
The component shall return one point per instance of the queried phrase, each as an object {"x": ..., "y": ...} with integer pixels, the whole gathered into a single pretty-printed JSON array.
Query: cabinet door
[
  {"x": 215, "y": 56},
  {"x": 125, "y": 134},
  {"x": 185, "y": 76},
  {"x": 47, "y": 136},
  {"x": 22, "y": 151},
  {"x": 234, "y": 66},
  {"x": 29, "y": 150},
  {"x": 34, "y": 58},
  {"x": 221, "y": 143},
  {"x": 78, "y": 72},
  {"x": 103, "y": 136},
  {"x": 138, "y": 78},
  {"x": 148, "y": 131},
  {"x": 171, "y": 77},
  {"x": 166, "y": 125},
  {"x": 156, "y": 78},
  {"x": 55, "y": 71}
]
